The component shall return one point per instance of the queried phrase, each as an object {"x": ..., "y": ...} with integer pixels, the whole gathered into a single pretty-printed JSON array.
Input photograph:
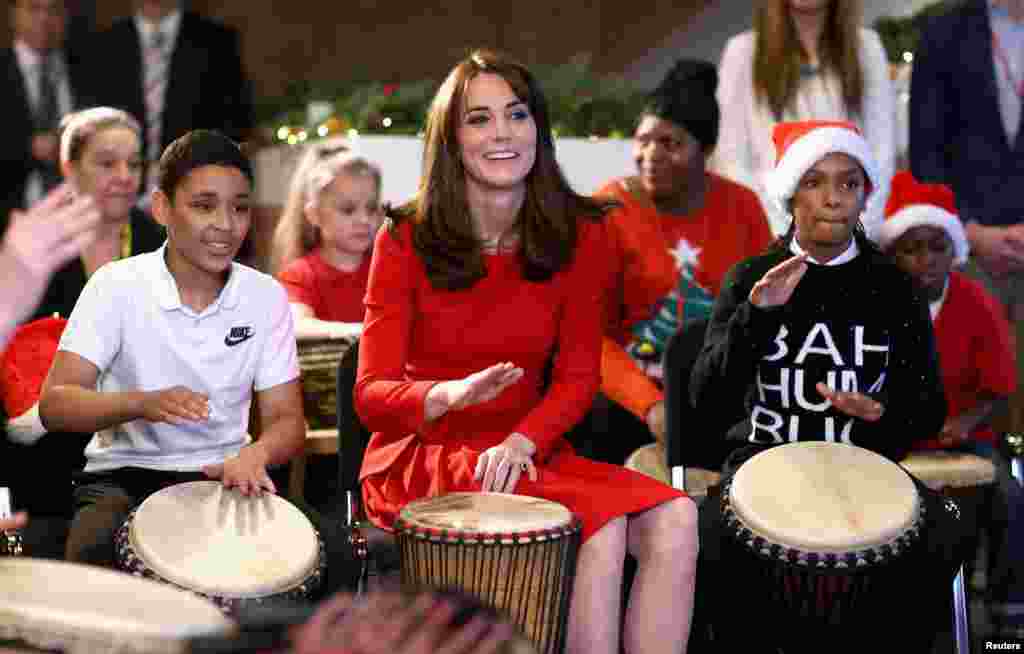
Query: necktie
[
  {"x": 155, "y": 86},
  {"x": 47, "y": 117}
]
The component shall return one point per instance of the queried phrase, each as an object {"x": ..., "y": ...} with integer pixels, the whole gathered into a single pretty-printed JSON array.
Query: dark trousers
[{"x": 103, "y": 501}]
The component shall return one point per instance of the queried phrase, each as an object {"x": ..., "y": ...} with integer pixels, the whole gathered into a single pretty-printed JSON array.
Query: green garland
[
  {"x": 900, "y": 35},
  {"x": 580, "y": 103}
]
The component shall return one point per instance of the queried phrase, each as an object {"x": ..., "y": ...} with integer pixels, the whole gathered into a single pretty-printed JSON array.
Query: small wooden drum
[
  {"x": 650, "y": 460},
  {"x": 222, "y": 545},
  {"x": 318, "y": 361},
  {"x": 819, "y": 531},
  {"x": 515, "y": 553},
  {"x": 81, "y": 609},
  {"x": 966, "y": 478}
]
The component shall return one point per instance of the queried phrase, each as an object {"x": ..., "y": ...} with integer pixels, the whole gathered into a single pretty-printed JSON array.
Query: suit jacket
[
  {"x": 206, "y": 85},
  {"x": 16, "y": 160},
  {"x": 956, "y": 127}
]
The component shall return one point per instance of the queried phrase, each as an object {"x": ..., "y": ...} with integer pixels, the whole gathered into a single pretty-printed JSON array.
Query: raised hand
[
  {"x": 500, "y": 467},
  {"x": 852, "y": 404},
  {"x": 53, "y": 231},
  {"x": 777, "y": 285},
  {"x": 175, "y": 406},
  {"x": 479, "y": 387},
  {"x": 247, "y": 472}
]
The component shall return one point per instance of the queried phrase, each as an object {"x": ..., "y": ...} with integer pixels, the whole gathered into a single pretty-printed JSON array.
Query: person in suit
[
  {"x": 177, "y": 71},
  {"x": 43, "y": 85}
]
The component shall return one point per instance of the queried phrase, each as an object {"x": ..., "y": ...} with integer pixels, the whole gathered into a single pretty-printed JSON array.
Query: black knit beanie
[{"x": 686, "y": 97}]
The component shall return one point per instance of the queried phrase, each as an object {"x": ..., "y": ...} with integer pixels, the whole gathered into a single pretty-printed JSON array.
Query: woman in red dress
[{"x": 481, "y": 348}]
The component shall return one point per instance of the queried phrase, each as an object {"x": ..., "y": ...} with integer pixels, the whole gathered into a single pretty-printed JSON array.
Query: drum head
[
  {"x": 939, "y": 469},
  {"x": 216, "y": 541},
  {"x": 824, "y": 497},
  {"x": 485, "y": 513},
  {"x": 71, "y": 607}
]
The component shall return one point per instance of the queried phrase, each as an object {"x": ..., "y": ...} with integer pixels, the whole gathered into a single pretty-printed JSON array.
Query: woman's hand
[
  {"x": 501, "y": 466},
  {"x": 247, "y": 472},
  {"x": 175, "y": 406},
  {"x": 477, "y": 388},
  {"x": 853, "y": 404},
  {"x": 777, "y": 285}
]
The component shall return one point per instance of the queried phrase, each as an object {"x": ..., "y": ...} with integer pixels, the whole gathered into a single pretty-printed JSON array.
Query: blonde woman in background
[
  {"x": 323, "y": 241},
  {"x": 804, "y": 60}
]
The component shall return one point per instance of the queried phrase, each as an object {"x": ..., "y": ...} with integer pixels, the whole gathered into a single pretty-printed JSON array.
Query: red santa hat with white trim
[
  {"x": 800, "y": 145},
  {"x": 913, "y": 204}
]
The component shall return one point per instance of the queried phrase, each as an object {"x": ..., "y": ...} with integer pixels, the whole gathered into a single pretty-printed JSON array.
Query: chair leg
[
  {"x": 297, "y": 477},
  {"x": 961, "y": 626}
]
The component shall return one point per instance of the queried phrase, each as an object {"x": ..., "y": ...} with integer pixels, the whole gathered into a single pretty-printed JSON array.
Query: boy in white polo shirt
[{"x": 164, "y": 350}]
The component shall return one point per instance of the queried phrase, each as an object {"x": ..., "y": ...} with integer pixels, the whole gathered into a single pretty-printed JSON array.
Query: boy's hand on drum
[
  {"x": 247, "y": 472},
  {"x": 954, "y": 433},
  {"x": 175, "y": 405},
  {"x": 501, "y": 466},
  {"x": 777, "y": 285},
  {"x": 852, "y": 404},
  {"x": 479, "y": 387}
]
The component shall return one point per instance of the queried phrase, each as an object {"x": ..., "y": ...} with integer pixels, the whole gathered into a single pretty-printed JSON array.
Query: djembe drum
[
  {"x": 967, "y": 478},
  {"x": 318, "y": 361},
  {"x": 825, "y": 535},
  {"x": 514, "y": 553},
  {"x": 80, "y": 609},
  {"x": 231, "y": 549}
]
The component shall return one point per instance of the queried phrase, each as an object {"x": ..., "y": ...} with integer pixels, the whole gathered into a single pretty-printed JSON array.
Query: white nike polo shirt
[{"x": 129, "y": 321}]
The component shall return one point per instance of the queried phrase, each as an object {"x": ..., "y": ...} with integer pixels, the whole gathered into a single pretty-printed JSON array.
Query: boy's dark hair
[{"x": 195, "y": 149}]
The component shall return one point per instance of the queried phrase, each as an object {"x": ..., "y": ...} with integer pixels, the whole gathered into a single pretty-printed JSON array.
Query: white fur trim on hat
[
  {"x": 918, "y": 215},
  {"x": 808, "y": 150}
]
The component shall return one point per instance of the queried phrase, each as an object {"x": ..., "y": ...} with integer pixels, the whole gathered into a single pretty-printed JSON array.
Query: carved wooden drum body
[{"x": 515, "y": 553}]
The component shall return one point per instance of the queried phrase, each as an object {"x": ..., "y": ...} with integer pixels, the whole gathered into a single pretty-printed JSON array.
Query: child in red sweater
[{"x": 322, "y": 244}]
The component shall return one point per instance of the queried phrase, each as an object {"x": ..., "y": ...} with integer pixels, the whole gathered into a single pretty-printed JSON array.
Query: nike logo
[{"x": 238, "y": 335}]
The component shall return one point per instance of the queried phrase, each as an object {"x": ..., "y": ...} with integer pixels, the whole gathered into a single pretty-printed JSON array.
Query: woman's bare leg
[
  {"x": 596, "y": 599},
  {"x": 664, "y": 542}
]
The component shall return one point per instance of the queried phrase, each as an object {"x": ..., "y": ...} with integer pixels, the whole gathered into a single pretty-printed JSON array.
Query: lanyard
[{"x": 1017, "y": 86}]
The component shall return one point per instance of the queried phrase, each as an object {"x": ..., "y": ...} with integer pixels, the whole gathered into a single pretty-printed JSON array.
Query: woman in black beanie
[{"x": 678, "y": 230}]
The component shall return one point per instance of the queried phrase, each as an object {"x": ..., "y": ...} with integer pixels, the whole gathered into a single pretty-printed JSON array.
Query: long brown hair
[
  {"x": 443, "y": 234},
  {"x": 778, "y": 54}
]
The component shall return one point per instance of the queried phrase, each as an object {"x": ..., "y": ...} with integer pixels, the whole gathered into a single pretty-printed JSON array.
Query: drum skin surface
[
  {"x": 486, "y": 513},
  {"x": 940, "y": 469},
  {"x": 218, "y": 542},
  {"x": 82, "y": 609},
  {"x": 824, "y": 497}
]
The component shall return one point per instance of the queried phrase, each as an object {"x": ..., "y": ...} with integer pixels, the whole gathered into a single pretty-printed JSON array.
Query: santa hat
[
  {"x": 800, "y": 145},
  {"x": 23, "y": 368},
  {"x": 913, "y": 204}
]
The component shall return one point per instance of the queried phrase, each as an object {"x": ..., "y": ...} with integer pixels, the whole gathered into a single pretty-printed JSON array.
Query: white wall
[{"x": 705, "y": 36}]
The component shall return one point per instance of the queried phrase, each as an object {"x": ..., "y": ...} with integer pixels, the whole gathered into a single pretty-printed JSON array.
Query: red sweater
[
  {"x": 976, "y": 354},
  {"x": 332, "y": 294},
  {"x": 645, "y": 245}
]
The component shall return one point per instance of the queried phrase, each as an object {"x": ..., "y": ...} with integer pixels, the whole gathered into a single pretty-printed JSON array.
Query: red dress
[{"x": 415, "y": 335}]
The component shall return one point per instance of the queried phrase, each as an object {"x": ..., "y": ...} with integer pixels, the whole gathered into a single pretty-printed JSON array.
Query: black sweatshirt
[{"x": 860, "y": 325}]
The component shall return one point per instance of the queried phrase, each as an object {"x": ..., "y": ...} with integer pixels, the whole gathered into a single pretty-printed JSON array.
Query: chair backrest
[
  {"x": 353, "y": 437},
  {"x": 695, "y": 435}
]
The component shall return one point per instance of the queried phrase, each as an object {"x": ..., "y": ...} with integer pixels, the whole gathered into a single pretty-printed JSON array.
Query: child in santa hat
[
  {"x": 827, "y": 340},
  {"x": 925, "y": 237}
]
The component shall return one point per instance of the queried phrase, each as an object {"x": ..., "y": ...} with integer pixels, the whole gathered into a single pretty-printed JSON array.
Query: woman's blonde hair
[
  {"x": 778, "y": 54},
  {"x": 77, "y": 128},
  {"x": 295, "y": 236}
]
